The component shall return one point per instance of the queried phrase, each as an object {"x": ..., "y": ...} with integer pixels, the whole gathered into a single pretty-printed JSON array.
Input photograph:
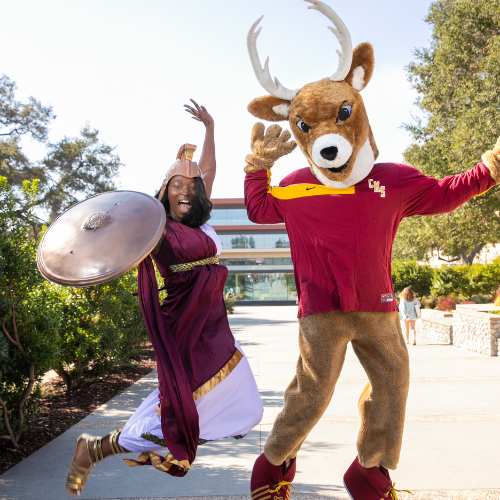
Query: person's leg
[
  {"x": 323, "y": 340},
  {"x": 407, "y": 328},
  {"x": 380, "y": 347},
  {"x": 99, "y": 448},
  {"x": 90, "y": 450},
  {"x": 412, "y": 328}
]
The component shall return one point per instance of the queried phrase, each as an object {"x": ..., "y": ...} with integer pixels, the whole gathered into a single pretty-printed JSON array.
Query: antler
[
  {"x": 342, "y": 34},
  {"x": 274, "y": 88}
]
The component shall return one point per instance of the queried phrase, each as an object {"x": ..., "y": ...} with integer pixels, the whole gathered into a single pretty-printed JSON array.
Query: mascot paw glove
[
  {"x": 268, "y": 147},
  {"x": 492, "y": 161}
]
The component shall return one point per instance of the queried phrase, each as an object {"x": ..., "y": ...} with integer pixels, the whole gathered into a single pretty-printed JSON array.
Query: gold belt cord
[{"x": 188, "y": 266}]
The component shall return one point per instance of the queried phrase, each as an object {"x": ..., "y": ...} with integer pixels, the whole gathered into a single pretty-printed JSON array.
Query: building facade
[{"x": 257, "y": 256}]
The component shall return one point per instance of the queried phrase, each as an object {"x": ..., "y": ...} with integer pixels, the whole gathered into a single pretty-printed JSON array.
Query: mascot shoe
[
  {"x": 369, "y": 484},
  {"x": 271, "y": 481}
]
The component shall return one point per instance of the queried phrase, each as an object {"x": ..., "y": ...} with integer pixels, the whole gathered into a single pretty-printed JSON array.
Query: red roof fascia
[
  {"x": 256, "y": 227},
  {"x": 219, "y": 202}
]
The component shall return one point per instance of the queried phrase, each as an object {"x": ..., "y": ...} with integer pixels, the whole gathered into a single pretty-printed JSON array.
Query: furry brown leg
[
  {"x": 323, "y": 340},
  {"x": 379, "y": 344},
  {"x": 381, "y": 349}
]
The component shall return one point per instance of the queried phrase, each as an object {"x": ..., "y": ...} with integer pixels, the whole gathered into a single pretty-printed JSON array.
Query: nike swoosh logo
[{"x": 307, "y": 189}]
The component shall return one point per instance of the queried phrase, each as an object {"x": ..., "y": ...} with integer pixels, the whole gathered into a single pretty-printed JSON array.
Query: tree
[
  {"x": 18, "y": 118},
  {"x": 458, "y": 79},
  {"x": 29, "y": 324},
  {"x": 73, "y": 169}
]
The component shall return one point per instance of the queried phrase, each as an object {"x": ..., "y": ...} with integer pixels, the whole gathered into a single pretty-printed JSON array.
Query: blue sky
[{"x": 127, "y": 67}]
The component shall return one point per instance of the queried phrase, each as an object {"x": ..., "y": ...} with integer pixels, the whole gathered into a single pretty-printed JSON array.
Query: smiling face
[{"x": 180, "y": 189}]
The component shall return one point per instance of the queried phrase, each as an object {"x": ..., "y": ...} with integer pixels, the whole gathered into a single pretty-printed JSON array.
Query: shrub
[
  {"x": 448, "y": 281},
  {"x": 479, "y": 299},
  {"x": 447, "y": 304},
  {"x": 430, "y": 302},
  {"x": 467, "y": 281},
  {"x": 229, "y": 305},
  {"x": 102, "y": 328},
  {"x": 29, "y": 334},
  {"x": 410, "y": 273},
  {"x": 77, "y": 331},
  {"x": 497, "y": 301}
]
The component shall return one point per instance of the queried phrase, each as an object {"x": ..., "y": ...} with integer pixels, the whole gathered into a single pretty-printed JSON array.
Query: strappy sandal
[{"x": 78, "y": 475}]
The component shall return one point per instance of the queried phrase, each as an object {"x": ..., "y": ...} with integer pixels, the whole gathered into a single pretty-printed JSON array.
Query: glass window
[
  {"x": 223, "y": 239},
  {"x": 252, "y": 239},
  {"x": 261, "y": 286},
  {"x": 218, "y": 217},
  {"x": 276, "y": 240},
  {"x": 229, "y": 217},
  {"x": 258, "y": 261},
  {"x": 237, "y": 217}
]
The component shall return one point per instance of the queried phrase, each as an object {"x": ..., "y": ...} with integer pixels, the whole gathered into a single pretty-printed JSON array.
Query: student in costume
[{"x": 206, "y": 387}]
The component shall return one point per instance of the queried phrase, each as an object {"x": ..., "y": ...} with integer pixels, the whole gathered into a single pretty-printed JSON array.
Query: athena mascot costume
[{"x": 341, "y": 214}]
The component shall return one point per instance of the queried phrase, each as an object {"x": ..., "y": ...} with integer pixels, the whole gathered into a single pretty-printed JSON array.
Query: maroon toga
[{"x": 190, "y": 333}]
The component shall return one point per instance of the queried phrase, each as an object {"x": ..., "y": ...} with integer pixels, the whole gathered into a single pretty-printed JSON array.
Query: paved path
[{"x": 450, "y": 450}]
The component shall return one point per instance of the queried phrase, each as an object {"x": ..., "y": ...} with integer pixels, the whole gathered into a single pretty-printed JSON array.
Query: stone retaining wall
[
  {"x": 437, "y": 330},
  {"x": 470, "y": 327},
  {"x": 437, "y": 325},
  {"x": 476, "y": 330}
]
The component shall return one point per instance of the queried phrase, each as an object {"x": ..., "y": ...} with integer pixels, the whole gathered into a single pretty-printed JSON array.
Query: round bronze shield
[{"x": 100, "y": 238}]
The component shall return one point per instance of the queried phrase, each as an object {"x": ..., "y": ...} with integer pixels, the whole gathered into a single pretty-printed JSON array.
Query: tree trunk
[
  {"x": 62, "y": 373},
  {"x": 20, "y": 406},
  {"x": 10, "y": 435},
  {"x": 468, "y": 259}
]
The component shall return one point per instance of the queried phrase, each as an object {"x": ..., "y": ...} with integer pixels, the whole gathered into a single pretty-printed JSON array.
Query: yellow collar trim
[{"x": 303, "y": 190}]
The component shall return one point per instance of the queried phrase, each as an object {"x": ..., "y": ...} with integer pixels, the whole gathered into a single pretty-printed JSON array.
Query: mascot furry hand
[{"x": 341, "y": 214}]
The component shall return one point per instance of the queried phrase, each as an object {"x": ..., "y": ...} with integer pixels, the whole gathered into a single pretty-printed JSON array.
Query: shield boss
[{"x": 100, "y": 238}]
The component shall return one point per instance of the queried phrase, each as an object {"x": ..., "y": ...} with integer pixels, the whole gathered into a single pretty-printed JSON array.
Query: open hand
[
  {"x": 200, "y": 114},
  {"x": 268, "y": 146},
  {"x": 492, "y": 161}
]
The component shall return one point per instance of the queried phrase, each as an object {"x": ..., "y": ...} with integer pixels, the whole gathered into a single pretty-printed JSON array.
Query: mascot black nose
[{"x": 329, "y": 153}]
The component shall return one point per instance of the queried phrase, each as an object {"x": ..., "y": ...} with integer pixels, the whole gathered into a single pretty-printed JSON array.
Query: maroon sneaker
[
  {"x": 268, "y": 479},
  {"x": 369, "y": 484}
]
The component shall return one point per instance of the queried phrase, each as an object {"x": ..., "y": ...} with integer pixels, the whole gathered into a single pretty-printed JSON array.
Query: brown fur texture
[
  {"x": 492, "y": 161},
  {"x": 362, "y": 57},
  {"x": 266, "y": 149},
  {"x": 378, "y": 343},
  {"x": 262, "y": 108},
  {"x": 318, "y": 104}
]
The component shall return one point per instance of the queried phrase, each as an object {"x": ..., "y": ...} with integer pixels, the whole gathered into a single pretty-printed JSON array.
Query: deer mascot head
[{"x": 327, "y": 118}]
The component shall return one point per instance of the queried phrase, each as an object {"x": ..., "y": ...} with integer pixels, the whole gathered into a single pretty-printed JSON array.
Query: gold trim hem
[
  {"x": 223, "y": 373},
  {"x": 156, "y": 461}
]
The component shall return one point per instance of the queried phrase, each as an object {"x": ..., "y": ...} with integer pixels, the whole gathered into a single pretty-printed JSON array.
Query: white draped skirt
[{"x": 232, "y": 408}]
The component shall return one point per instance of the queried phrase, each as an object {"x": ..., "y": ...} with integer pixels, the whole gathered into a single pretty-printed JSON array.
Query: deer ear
[
  {"x": 362, "y": 65},
  {"x": 270, "y": 108}
]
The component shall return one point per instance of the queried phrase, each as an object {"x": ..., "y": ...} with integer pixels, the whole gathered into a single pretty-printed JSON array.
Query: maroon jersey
[{"x": 341, "y": 239}]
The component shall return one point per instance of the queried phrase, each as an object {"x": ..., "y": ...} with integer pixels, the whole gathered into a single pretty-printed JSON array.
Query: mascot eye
[
  {"x": 303, "y": 126},
  {"x": 344, "y": 113}
]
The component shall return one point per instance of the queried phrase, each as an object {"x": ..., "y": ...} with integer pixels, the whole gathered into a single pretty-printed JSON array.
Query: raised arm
[
  {"x": 267, "y": 147},
  {"x": 207, "y": 161},
  {"x": 421, "y": 195}
]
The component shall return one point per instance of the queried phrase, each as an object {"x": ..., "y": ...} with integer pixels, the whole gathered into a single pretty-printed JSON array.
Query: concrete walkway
[{"x": 450, "y": 450}]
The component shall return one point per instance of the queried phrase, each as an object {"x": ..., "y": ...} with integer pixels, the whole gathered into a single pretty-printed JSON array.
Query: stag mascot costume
[{"x": 341, "y": 214}]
